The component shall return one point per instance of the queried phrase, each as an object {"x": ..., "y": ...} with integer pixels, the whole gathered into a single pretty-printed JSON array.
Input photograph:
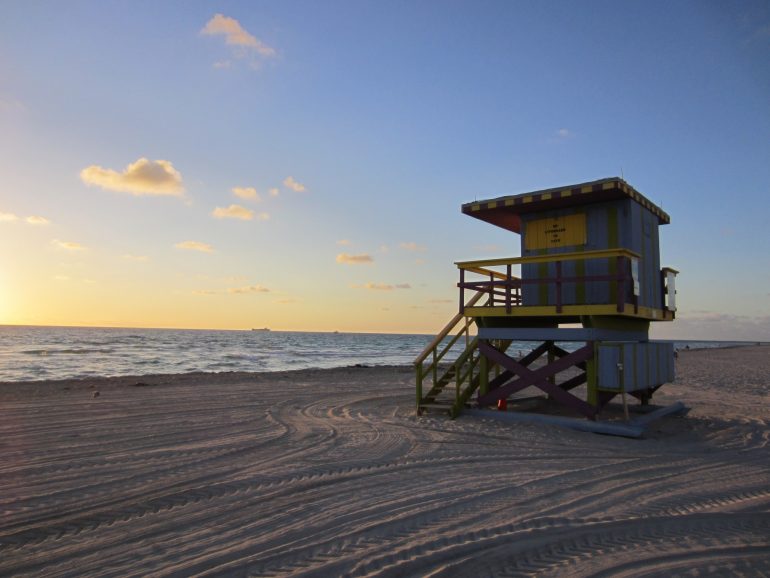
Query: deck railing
[{"x": 503, "y": 289}]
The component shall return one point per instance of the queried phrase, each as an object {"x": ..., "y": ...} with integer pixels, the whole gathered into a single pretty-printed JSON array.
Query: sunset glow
[{"x": 301, "y": 166}]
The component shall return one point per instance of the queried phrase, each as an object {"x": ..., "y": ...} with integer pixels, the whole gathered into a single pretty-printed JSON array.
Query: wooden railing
[
  {"x": 449, "y": 357},
  {"x": 503, "y": 289}
]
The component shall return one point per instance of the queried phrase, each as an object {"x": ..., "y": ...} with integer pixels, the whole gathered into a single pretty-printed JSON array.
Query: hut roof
[{"x": 505, "y": 211}]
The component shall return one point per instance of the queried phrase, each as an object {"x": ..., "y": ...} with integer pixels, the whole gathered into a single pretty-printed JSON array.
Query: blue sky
[{"x": 390, "y": 115}]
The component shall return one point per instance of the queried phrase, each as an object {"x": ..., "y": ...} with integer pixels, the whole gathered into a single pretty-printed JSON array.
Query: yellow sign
[{"x": 556, "y": 232}]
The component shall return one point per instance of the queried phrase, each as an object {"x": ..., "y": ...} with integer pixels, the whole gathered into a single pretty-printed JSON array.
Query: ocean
[{"x": 41, "y": 353}]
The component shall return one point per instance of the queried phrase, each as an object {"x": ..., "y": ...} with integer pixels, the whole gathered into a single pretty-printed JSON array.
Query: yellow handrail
[
  {"x": 495, "y": 274},
  {"x": 444, "y": 332},
  {"x": 578, "y": 256}
]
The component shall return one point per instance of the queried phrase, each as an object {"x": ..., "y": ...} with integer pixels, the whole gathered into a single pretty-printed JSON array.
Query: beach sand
[{"x": 330, "y": 473}]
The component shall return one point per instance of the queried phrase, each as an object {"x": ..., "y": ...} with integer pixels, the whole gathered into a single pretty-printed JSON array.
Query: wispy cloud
[
  {"x": 233, "y": 212},
  {"x": 413, "y": 247},
  {"x": 244, "y": 45},
  {"x": 383, "y": 286},
  {"x": 37, "y": 220},
  {"x": 195, "y": 246},
  {"x": 11, "y": 105},
  {"x": 273, "y": 192},
  {"x": 561, "y": 135},
  {"x": 347, "y": 259},
  {"x": 143, "y": 177},
  {"x": 247, "y": 193},
  {"x": 67, "y": 245},
  {"x": 290, "y": 183},
  {"x": 248, "y": 289},
  {"x": 718, "y": 326},
  {"x": 760, "y": 34},
  {"x": 488, "y": 248},
  {"x": 130, "y": 257},
  {"x": 343, "y": 242}
]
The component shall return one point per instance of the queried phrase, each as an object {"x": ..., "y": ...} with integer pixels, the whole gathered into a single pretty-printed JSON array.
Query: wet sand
[{"x": 330, "y": 473}]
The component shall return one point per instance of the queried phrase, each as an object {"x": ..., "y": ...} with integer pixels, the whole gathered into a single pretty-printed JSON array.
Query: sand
[{"x": 330, "y": 473}]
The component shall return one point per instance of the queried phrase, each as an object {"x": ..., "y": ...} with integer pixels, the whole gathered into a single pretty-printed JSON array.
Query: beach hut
[{"x": 583, "y": 292}]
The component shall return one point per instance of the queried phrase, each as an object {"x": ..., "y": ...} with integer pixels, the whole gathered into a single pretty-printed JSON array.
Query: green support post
[
  {"x": 419, "y": 387},
  {"x": 551, "y": 359},
  {"x": 592, "y": 379},
  {"x": 483, "y": 374}
]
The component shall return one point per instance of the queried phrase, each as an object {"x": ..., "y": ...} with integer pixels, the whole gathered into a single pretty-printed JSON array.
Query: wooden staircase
[{"x": 450, "y": 383}]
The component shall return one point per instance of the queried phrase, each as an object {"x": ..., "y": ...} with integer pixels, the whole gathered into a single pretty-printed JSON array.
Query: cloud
[
  {"x": 249, "y": 193},
  {"x": 411, "y": 246},
  {"x": 245, "y": 46},
  {"x": 760, "y": 34},
  {"x": 273, "y": 192},
  {"x": 144, "y": 177},
  {"x": 382, "y": 286},
  {"x": 561, "y": 135},
  {"x": 195, "y": 246},
  {"x": 292, "y": 184},
  {"x": 233, "y": 212},
  {"x": 11, "y": 105},
  {"x": 344, "y": 242},
  {"x": 363, "y": 259},
  {"x": 488, "y": 248},
  {"x": 8, "y": 217},
  {"x": 713, "y": 325},
  {"x": 442, "y": 301},
  {"x": 67, "y": 245},
  {"x": 37, "y": 220},
  {"x": 248, "y": 289},
  {"x": 130, "y": 257}
]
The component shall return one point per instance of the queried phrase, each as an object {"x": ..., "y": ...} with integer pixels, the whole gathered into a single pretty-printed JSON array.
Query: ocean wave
[
  {"x": 31, "y": 353},
  {"x": 76, "y": 351},
  {"x": 244, "y": 357}
]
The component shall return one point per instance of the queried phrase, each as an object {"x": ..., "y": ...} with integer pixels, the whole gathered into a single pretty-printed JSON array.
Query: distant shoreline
[{"x": 429, "y": 334}]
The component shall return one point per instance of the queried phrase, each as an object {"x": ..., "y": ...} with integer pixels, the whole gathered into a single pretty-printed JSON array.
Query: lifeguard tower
[{"x": 584, "y": 291}]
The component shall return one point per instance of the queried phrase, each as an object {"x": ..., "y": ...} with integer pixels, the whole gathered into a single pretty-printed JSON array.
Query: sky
[{"x": 300, "y": 165}]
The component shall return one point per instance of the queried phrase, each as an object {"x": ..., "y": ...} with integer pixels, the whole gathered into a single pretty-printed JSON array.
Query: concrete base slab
[{"x": 634, "y": 428}]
